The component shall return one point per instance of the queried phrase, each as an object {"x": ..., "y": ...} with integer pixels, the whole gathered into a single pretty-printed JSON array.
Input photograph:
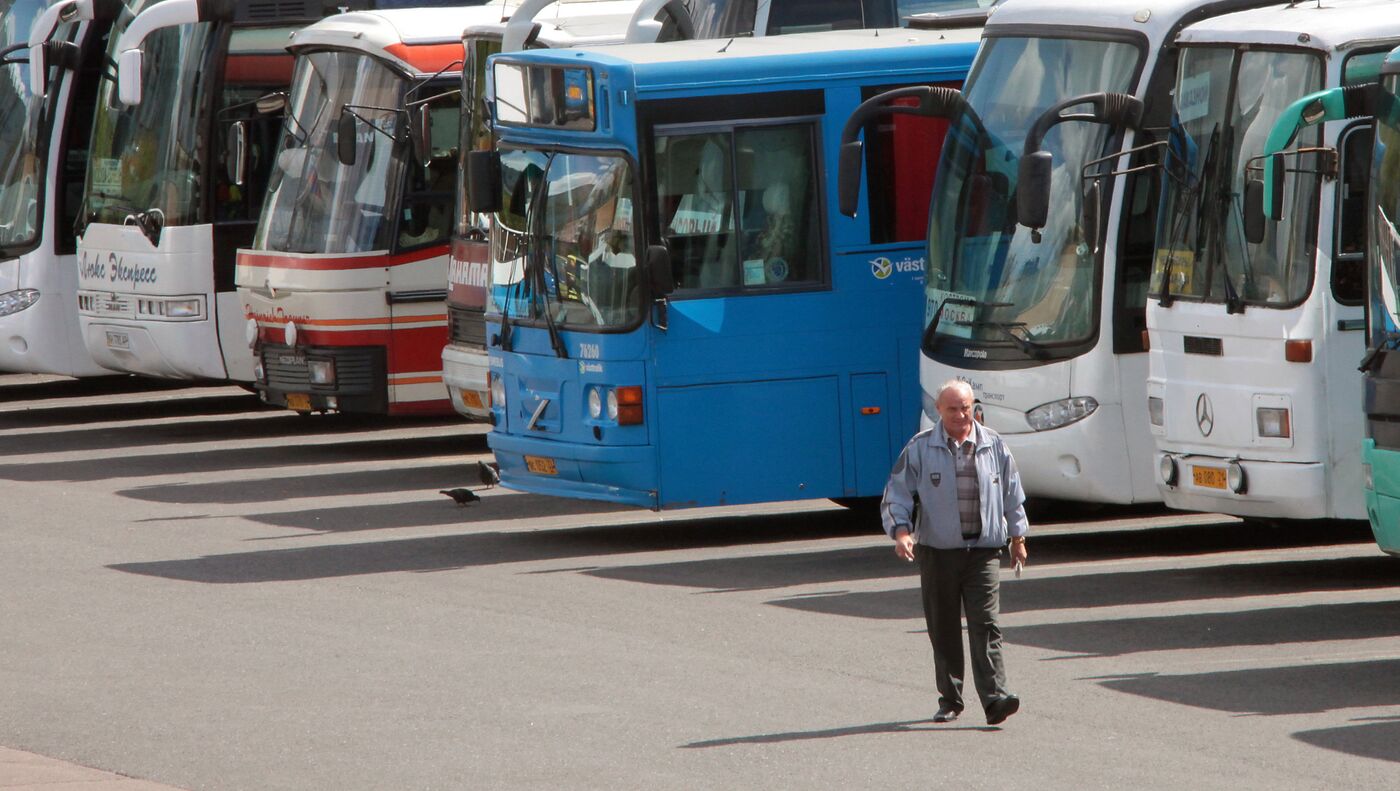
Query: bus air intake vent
[
  {"x": 279, "y": 10},
  {"x": 1195, "y": 344}
]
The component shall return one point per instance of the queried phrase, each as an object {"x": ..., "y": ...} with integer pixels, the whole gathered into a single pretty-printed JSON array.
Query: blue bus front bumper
[
  {"x": 1383, "y": 499},
  {"x": 614, "y": 474}
]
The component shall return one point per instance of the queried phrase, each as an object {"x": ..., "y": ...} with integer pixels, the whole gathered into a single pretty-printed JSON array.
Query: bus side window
[
  {"x": 738, "y": 208},
  {"x": 426, "y": 216},
  {"x": 1349, "y": 255}
]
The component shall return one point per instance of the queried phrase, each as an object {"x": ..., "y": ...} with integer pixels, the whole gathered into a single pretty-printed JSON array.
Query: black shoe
[
  {"x": 946, "y": 715},
  {"x": 1001, "y": 708}
]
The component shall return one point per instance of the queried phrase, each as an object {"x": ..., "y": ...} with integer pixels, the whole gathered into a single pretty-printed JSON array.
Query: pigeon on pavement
[{"x": 462, "y": 496}]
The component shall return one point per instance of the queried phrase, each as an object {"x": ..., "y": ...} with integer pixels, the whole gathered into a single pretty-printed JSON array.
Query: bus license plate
[
  {"x": 541, "y": 465},
  {"x": 471, "y": 399},
  {"x": 118, "y": 340},
  {"x": 301, "y": 402},
  {"x": 1209, "y": 477}
]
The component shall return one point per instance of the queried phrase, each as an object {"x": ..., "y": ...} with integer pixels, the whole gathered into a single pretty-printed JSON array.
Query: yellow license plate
[
  {"x": 1210, "y": 477},
  {"x": 472, "y": 399},
  {"x": 541, "y": 465},
  {"x": 301, "y": 402}
]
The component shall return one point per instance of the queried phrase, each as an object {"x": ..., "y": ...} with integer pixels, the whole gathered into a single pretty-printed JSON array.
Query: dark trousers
[{"x": 957, "y": 581}]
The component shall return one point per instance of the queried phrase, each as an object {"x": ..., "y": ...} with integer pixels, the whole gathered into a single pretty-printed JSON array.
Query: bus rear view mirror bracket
[
  {"x": 933, "y": 102},
  {"x": 484, "y": 181}
]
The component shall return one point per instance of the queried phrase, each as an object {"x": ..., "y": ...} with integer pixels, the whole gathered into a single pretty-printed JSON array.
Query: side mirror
[
  {"x": 1033, "y": 190},
  {"x": 236, "y": 152},
  {"x": 484, "y": 181},
  {"x": 1089, "y": 214},
  {"x": 271, "y": 103},
  {"x": 848, "y": 176},
  {"x": 345, "y": 138},
  {"x": 420, "y": 131},
  {"x": 659, "y": 274},
  {"x": 1254, "y": 211},
  {"x": 129, "y": 77}
]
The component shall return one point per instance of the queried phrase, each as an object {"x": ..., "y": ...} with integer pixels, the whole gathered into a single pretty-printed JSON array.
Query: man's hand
[
  {"x": 904, "y": 544},
  {"x": 1018, "y": 552}
]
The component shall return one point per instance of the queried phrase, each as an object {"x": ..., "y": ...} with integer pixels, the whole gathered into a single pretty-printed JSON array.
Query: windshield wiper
[
  {"x": 930, "y": 339},
  {"x": 1008, "y": 328}
]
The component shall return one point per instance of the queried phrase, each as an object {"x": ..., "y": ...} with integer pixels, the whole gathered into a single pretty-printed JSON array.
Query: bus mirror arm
[
  {"x": 484, "y": 181},
  {"x": 236, "y": 152},
  {"x": 1033, "y": 175},
  {"x": 933, "y": 102}
]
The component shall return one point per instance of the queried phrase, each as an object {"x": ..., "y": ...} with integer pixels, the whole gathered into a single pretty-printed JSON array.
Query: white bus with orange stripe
[{"x": 344, "y": 288}]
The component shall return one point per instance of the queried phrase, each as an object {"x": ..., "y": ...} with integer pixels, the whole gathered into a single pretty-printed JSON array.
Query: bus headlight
[
  {"x": 259, "y": 373},
  {"x": 1154, "y": 411},
  {"x": 595, "y": 403},
  {"x": 250, "y": 333},
  {"x": 498, "y": 391},
  {"x": 1058, "y": 414},
  {"x": 1167, "y": 467},
  {"x": 1273, "y": 422},
  {"x": 322, "y": 372},
  {"x": 612, "y": 405},
  {"x": 1366, "y": 478},
  {"x": 15, "y": 301},
  {"x": 1235, "y": 478}
]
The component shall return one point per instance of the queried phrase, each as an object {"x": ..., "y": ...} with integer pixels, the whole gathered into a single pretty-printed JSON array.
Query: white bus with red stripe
[{"x": 343, "y": 290}]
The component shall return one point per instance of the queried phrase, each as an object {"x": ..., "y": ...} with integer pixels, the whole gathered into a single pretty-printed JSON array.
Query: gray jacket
[{"x": 926, "y": 470}]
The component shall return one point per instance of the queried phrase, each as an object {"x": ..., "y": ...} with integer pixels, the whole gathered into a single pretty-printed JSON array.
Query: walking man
[{"x": 952, "y": 503}]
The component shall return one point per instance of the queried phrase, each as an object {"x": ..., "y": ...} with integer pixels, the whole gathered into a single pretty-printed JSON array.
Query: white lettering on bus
[
  {"x": 590, "y": 351},
  {"x": 467, "y": 273}
]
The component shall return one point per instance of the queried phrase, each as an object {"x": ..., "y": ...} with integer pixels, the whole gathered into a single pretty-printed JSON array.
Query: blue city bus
[{"x": 677, "y": 315}]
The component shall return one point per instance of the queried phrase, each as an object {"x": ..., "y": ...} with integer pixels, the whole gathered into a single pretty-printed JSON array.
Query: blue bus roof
[{"x": 754, "y": 62}]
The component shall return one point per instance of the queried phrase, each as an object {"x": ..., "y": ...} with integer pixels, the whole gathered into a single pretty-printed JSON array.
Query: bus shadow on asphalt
[
  {"x": 277, "y": 457},
  {"x": 272, "y": 490},
  {"x": 1109, "y": 589},
  {"x": 275, "y": 427},
  {"x": 1271, "y": 691},
  {"x": 61, "y": 415},
  {"x": 878, "y": 562},
  {"x": 445, "y": 553},
  {"x": 1270, "y": 626},
  {"x": 1370, "y": 738}
]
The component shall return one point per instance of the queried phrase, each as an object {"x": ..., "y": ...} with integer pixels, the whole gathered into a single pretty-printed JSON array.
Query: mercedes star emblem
[{"x": 1205, "y": 415}]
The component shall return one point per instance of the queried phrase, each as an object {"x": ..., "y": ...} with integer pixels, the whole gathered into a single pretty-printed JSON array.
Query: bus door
[{"x": 748, "y": 397}]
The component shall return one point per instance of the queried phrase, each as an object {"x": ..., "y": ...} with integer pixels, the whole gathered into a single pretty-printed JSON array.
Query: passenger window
[
  {"x": 815, "y": 15},
  {"x": 1349, "y": 258},
  {"x": 738, "y": 207}
]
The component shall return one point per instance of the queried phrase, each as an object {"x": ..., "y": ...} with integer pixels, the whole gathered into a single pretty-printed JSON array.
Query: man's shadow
[{"x": 908, "y": 726}]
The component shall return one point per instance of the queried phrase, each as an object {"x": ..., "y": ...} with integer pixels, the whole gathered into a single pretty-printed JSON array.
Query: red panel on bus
[
  {"x": 917, "y": 144},
  {"x": 261, "y": 69}
]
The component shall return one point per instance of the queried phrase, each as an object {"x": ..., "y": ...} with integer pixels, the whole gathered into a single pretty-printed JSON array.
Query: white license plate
[{"x": 118, "y": 340}]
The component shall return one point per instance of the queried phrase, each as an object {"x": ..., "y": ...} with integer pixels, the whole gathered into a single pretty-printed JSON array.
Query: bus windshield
[
  {"x": 316, "y": 204},
  {"x": 563, "y": 240},
  {"x": 1227, "y": 100},
  {"x": 1384, "y": 313},
  {"x": 147, "y": 156},
  {"x": 1003, "y": 285},
  {"x": 21, "y": 128}
]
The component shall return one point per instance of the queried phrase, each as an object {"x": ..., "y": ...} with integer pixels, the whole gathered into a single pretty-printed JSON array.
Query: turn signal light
[
  {"x": 1146, "y": 341},
  {"x": 1297, "y": 351},
  {"x": 629, "y": 405}
]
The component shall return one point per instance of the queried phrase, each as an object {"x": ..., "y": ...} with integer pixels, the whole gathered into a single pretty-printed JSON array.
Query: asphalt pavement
[{"x": 200, "y": 593}]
